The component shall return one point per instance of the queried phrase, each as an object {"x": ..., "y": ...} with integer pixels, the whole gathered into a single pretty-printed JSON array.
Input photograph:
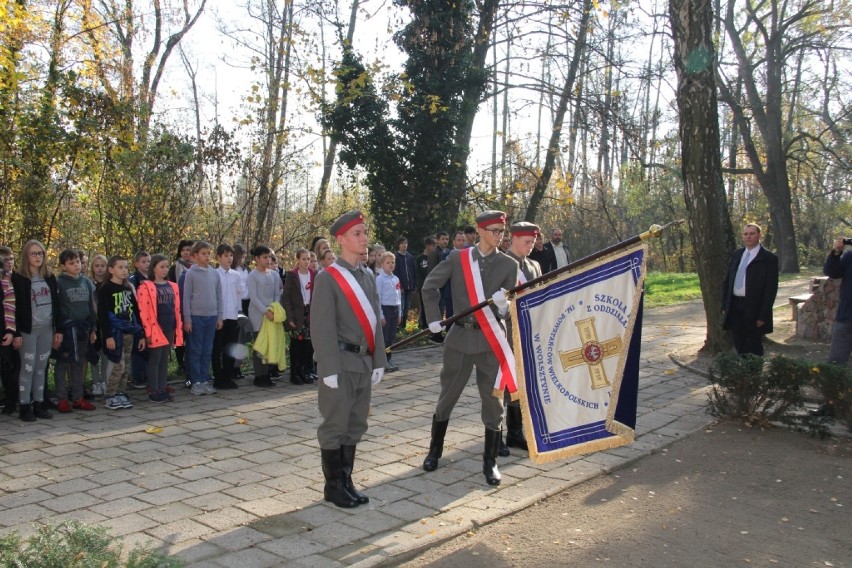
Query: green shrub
[
  {"x": 834, "y": 383},
  {"x": 762, "y": 391},
  {"x": 757, "y": 390},
  {"x": 76, "y": 545}
]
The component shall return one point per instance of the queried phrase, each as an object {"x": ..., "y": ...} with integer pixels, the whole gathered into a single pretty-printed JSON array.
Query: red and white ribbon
[
  {"x": 358, "y": 300},
  {"x": 490, "y": 327}
]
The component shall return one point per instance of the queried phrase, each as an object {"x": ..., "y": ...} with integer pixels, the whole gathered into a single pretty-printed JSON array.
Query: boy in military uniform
[
  {"x": 350, "y": 354},
  {"x": 476, "y": 274},
  {"x": 523, "y": 239}
]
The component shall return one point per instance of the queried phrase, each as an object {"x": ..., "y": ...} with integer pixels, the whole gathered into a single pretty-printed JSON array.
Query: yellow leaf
[
  {"x": 153, "y": 429},
  {"x": 242, "y": 421}
]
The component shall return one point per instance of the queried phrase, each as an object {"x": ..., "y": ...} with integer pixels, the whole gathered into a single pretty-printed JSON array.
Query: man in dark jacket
[
  {"x": 556, "y": 253},
  {"x": 749, "y": 291},
  {"x": 405, "y": 269}
]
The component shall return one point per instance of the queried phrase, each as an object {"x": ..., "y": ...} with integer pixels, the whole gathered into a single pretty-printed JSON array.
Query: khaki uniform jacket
[
  {"x": 497, "y": 271},
  {"x": 333, "y": 321},
  {"x": 529, "y": 267}
]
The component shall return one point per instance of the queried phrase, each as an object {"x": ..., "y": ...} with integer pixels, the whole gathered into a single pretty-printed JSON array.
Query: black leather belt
[{"x": 352, "y": 348}]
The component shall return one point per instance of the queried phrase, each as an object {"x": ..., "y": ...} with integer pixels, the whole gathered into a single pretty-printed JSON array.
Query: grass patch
[{"x": 667, "y": 288}]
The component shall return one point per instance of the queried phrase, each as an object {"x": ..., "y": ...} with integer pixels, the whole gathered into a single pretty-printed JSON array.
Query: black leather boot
[
  {"x": 436, "y": 446},
  {"x": 515, "y": 428},
  {"x": 489, "y": 457},
  {"x": 335, "y": 488},
  {"x": 25, "y": 412},
  {"x": 347, "y": 461},
  {"x": 503, "y": 450},
  {"x": 39, "y": 411}
]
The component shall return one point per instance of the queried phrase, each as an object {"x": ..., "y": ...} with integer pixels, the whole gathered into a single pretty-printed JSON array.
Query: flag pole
[{"x": 655, "y": 231}]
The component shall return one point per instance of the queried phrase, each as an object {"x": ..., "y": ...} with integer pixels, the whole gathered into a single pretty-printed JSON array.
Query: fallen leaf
[
  {"x": 242, "y": 421},
  {"x": 153, "y": 429}
]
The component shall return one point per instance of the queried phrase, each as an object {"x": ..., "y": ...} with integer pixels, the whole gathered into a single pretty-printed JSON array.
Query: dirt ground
[{"x": 727, "y": 496}]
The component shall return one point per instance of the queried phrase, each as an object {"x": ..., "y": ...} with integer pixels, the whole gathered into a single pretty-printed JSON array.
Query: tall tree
[
  {"x": 765, "y": 38},
  {"x": 701, "y": 162},
  {"x": 559, "y": 116}
]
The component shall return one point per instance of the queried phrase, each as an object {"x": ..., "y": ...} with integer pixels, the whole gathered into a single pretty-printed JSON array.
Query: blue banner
[{"x": 577, "y": 341}]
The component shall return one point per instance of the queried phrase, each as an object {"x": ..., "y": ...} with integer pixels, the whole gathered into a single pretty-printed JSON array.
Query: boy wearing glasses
[{"x": 476, "y": 274}]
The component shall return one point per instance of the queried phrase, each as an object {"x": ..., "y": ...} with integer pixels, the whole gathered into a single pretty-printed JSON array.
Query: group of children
[
  {"x": 112, "y": 321},
  {"x": 124, "y": 326}
]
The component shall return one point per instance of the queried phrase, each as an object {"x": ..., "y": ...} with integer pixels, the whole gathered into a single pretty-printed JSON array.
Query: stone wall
[{"x": 816, "y": 315}]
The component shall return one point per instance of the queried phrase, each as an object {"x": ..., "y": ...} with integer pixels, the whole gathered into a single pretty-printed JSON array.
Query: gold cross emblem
[{"x": 592, "y": 353}]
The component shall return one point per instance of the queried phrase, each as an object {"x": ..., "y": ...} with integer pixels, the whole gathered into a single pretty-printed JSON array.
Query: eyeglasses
[
  {"x": 35, "y": 253},
  {"x": 497, "y": 232}
]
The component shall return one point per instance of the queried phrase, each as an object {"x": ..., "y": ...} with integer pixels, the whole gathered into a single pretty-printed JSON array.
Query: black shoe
[
  {"x": 436, "y": 444},
  {"x": 39, "y": 411},
  {"x": 263, "y": 382},
  {"x": 48, "y": 404},
  {"x": 503, "y": 450},
  {"x": 515, "y": 429},
  {"x": 824, "y": 410},
  {"x": 225, "y": 384},
  {"x": 489, "y": 457},
  {"x": 347, "y": 461},
  {"x": 25, "y": 412},
  {"x": 9, "y": 408},
  {"x": 335, "y": 482},
  {"x": 296, "y": 379}
]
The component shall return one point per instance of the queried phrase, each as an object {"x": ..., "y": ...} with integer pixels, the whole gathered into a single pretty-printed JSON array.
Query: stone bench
[{"x": 794, "y": 304}]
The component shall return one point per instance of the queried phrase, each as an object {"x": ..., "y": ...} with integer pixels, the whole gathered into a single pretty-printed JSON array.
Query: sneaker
[
  {"x": 138, "y": 384},
  {"x": 124, "y": 400},
  {"x": 98, "y": 389},
  {"x": 167, "y": 397},
  {"x": 113, "y": 403},
  {"x": 64, "y": 406},
  {"x": 198, "y": 389},
  {"x": 157, "y": 397},
  {"x": 170, "y": 389},
  {"x": 83, "y": 404}
]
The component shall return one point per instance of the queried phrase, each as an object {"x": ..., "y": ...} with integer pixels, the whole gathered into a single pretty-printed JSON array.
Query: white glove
[
  {"x": 435, "y": 327},
  {"x": 499, "y": 299},
  {"x": 377, "y": 375},
  {"x": 330, "y": 381}
]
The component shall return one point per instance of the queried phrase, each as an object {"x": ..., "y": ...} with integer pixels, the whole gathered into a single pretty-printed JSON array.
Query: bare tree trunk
[
  {"x": 553, "y": 145},
  {"x": 709, "y": 223},
  {"x": 331, "y": 152}
]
